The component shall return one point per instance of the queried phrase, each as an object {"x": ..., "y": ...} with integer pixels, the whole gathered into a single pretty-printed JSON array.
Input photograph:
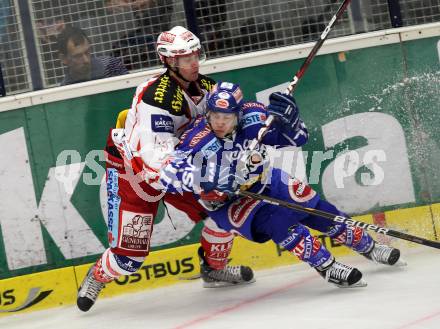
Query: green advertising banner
[{"x": 373, "y": 116}]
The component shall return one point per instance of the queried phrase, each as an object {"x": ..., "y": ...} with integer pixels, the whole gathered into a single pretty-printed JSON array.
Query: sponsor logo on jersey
[
  {"x": 199, "y": 136},
  {"x": 113, "y": 202},
  {"x": 211, "y": 148},
  {"x": 161, "y": 89},
  {"x": 162, "y": 123},
  {"x": 177, "y": 101},
  {"x": 207, "y": 84},
  {"x": 240, "y": 210},
  {"x": 300, "y": 191},
  {"x": 186, "y": 132},
  {"x": 288, "y": 240},
  {"x": 298, "y": 251},
  {"x": 307, "y": 248},
  {"x": 350, "y": 236},
  {"x": 357, "y": 235},
  {"x": 253, "y": 106},
  {"x": 127, "y": 263},
  {"x": 136, "y": 231},
  {"x": 251, "y": 119},
  {"x": 308, "y": 244},
  {"x": 333, "y": 230}
]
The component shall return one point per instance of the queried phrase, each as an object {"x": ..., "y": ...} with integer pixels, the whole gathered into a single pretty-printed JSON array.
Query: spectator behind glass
[
  {"x": 74, "y": 49},
  {"x": 5, "y": 12},
  {"x": 212, "y": 18},
  {"x": 137, "y": 46},
  {"x": 256, "y": 34}
]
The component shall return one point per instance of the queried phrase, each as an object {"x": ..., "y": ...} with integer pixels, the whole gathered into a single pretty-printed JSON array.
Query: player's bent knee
[
  {"x": 305, "y": 246},
  {"x": 217, "y": 244}
]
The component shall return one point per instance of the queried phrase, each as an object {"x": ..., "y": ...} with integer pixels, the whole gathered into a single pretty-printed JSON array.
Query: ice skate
[
  {"x": 383, "y": 254},
  {"x": 230, "y": 275},
  {"x": 89, "y": 290},
  {"x": 341, "y": 275}
]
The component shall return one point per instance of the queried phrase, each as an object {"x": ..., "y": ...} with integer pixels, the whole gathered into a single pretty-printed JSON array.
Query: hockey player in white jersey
[{"x": 162, "y": 109}]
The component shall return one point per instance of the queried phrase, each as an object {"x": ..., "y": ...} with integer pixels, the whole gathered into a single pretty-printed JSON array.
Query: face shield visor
[{"x": 188, "y": 61}]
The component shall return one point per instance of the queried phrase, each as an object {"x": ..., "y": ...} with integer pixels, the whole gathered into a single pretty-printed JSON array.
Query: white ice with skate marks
[{"x": 287, "y": 297}]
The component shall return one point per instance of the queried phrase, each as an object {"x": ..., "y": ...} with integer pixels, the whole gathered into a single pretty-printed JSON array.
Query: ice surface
[{"x": 287, "y": 297}]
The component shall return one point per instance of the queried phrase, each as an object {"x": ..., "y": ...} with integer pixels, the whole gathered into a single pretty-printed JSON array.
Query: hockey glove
[
  {"x": 283, "y": 107},
  {"x": 213, "y": 196}
]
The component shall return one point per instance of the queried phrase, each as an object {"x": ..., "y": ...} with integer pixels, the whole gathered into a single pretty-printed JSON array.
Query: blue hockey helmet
[{"x": 225, "y": 97}]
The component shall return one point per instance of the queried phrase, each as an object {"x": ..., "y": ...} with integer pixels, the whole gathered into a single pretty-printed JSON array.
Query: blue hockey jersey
[{"x": 201, "y": 155}]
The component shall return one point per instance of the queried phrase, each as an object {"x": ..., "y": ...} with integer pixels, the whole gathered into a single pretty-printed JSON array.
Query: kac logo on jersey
[{"x": 162, "y": 123}]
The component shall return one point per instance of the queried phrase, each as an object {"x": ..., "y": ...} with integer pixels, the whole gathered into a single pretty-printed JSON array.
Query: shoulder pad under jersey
[
  {"x": 165, "y": 93},
  {"x": 253, "y": 106},
  {"x": 253, "y": 113},
  {"x": 200, "y": 138}
]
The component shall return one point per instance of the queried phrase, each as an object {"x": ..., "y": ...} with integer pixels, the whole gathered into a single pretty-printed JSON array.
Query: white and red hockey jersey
[{"x": 160, "y": 112}]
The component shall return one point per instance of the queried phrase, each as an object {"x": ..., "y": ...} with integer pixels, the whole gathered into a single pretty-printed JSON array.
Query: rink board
[{"x": 165, "y": 267}]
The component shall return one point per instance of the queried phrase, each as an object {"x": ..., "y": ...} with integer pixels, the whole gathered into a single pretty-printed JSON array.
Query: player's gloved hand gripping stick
[
  {"x": 262, "y": 132},
  {"x": 289, "y": 90}
]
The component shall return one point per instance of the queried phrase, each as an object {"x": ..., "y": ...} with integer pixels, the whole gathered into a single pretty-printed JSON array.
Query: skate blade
[
  {"x": 221, "y": 284},
  {"x": 360, "y": 284}
]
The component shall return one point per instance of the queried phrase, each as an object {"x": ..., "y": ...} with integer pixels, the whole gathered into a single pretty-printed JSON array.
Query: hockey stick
[
  {"x": 299, "y": 74},
  {"x": 291, "y": 87},
  {"x": 343, "y": 220}
]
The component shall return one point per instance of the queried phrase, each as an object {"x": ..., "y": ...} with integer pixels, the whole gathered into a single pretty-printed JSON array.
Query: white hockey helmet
[{"x": 178, "y": 42}]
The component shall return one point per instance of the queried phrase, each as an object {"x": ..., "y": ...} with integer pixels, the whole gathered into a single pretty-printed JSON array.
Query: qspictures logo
[{"x": 8, "y": 299}]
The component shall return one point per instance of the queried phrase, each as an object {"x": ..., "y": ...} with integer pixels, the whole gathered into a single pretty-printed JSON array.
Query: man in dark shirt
[{"x": 74, "y": 49}]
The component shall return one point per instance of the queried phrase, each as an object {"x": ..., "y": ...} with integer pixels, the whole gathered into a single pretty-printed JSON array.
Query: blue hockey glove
[{"x": 284, "y": 108}]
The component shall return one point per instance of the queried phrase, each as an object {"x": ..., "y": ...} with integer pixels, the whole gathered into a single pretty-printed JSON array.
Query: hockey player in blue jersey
[{"x": 212, "y": 161}]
